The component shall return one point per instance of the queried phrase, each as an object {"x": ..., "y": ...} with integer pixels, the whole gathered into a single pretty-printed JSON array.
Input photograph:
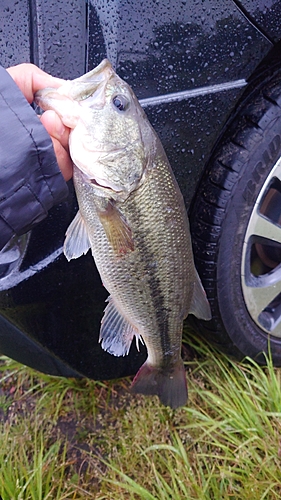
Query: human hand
[
  {"x": 59, "y": 135},
  {"x": 29, "y": 78}
]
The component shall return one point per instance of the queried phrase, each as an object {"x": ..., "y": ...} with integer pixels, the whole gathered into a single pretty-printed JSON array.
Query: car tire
[{"x": 236, "y": 228}]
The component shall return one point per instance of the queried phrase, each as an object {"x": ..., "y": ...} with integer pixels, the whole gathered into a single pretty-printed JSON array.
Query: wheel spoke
[
  {"x": 260, "y": 297},
  {"x": 264, "y": 228},
  {"x": 275, "y": 329}
]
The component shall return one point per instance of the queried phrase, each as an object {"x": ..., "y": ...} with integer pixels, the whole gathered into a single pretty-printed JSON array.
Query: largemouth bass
[{"x": 133, "y": 218}]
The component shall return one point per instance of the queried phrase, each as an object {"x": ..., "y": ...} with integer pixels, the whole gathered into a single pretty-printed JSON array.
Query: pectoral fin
[
  {"x": 76, "y": 242},
  {"x": 117, "y": 229}
]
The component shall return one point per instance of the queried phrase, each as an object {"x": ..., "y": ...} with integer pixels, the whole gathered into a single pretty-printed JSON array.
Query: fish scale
[{"x": 132, "y": 216}]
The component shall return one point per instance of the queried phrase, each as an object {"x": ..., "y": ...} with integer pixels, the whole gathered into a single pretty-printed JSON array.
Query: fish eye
[{"x": 120, "y": 102}]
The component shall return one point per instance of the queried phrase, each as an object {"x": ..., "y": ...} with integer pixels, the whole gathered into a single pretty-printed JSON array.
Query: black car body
[{"x": 192, "y": 64}]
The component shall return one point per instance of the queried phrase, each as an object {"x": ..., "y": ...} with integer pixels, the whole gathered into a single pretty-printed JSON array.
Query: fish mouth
[
  {"x": 80, "y": 88},
  {"x": 104, "y": 67},
  {"x": 86, "y": 85}
]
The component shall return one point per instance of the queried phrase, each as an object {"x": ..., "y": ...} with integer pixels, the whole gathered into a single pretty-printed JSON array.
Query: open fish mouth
[
  {"x": 80, "y": 89},
  {"x": 85, "y": 86}
]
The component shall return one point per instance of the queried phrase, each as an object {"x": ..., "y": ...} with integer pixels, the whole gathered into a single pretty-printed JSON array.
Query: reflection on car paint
[
  {"x": 11, "y": 256},
  {"x": 188, "y": 94},
  {"x": 12, "y": 275}
]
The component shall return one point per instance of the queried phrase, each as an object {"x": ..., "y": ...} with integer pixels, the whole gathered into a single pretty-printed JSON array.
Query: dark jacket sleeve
[{"x": 30, "y": 180}]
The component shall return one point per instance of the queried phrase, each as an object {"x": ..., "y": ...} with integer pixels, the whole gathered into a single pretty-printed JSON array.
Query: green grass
[{"x": 71, "y": 439}]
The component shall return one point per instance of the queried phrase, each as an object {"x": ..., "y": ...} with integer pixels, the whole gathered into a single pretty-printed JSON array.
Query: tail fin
[{"x": 170, "y": 385}]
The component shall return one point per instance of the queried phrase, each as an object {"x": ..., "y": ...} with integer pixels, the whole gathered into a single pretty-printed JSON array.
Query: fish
[{"x": 133, "y": 218}]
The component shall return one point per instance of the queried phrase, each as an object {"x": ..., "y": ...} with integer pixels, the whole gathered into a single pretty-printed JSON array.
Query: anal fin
[{"x": 116, "y": 333}]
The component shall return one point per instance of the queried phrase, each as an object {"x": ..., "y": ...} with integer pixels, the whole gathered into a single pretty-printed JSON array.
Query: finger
[
  {"x": 55, "y": 127},
  {"x": 41, "y": 80},
  {"x": 63, "y": 159},
  {"x": 30, "y": 78}
]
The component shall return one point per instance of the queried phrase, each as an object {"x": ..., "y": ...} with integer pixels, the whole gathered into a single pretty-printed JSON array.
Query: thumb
[{"x": 55, "y": 127}]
